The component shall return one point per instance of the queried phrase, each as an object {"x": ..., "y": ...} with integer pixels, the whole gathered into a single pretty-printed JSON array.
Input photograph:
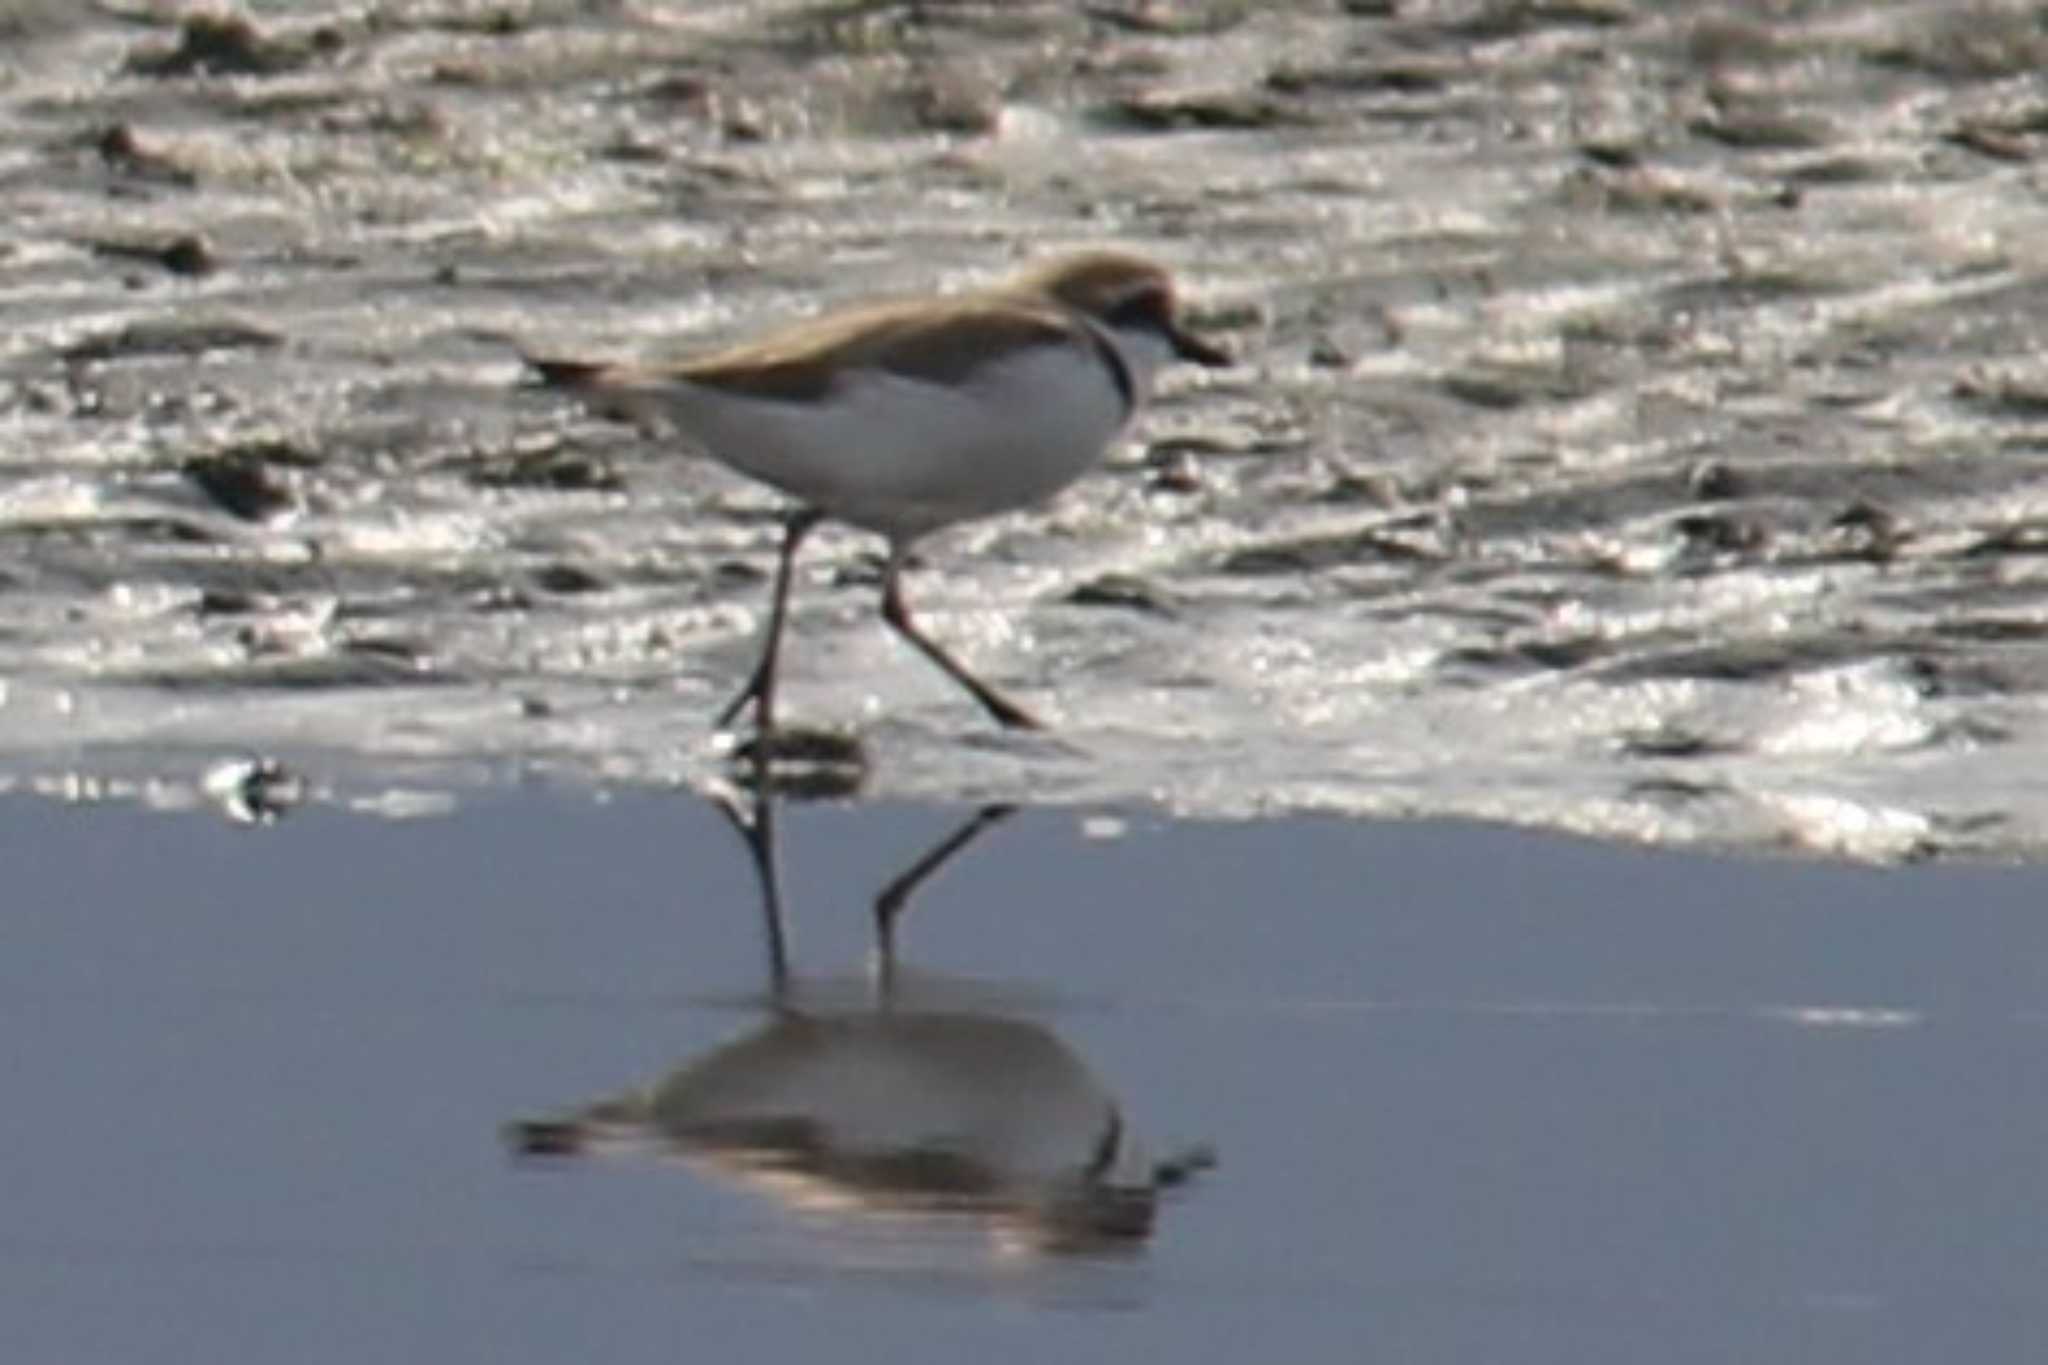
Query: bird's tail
[
  {"x": 550, "y": 373},
  {"x": 619, "y": 393}
]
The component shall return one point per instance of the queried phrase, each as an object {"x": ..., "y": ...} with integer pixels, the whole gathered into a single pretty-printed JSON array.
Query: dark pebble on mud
[
  {"x": 1122, "y": 590},
  {"x": 566, "y": 580},
  {"x": 185, "y": 254},
  {"x": 240, "y": 484},
  {"x": 225, "y": 45},
  {"x": 1668, "y": 742},
  {"x": 1713, "y": 481},
  {"x": 1228, "y": 110},
  {"x": 1402, "y": 77}
]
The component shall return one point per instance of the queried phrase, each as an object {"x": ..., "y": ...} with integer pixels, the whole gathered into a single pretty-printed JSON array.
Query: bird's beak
[{"x": 1188, "y": 346}]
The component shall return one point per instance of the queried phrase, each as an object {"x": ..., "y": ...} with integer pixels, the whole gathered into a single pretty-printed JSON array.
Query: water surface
[{"x": 1470, "y": 1093}]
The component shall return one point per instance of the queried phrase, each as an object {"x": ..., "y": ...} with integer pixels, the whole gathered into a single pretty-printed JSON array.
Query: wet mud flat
[{"x": 1639, "y": 430}]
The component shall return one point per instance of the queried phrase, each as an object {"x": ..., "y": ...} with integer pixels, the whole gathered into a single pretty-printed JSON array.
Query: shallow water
[
  {"x": 1466, "y": 1093},
  {"x": 1638, "y": 430}
]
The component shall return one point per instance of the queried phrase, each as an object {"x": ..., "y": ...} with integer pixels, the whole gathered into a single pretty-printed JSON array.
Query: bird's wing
[{"x": 934, "y": 343}]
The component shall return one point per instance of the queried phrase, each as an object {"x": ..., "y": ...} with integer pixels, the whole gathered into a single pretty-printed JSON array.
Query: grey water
[{"x": 1463, "y": 1092}]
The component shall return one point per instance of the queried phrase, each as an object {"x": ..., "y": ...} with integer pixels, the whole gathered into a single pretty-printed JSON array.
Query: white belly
[{"x": 901, "y": 456}]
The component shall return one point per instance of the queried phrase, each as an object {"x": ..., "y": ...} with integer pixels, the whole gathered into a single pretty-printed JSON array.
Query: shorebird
[{"x": 904, "y": 417}]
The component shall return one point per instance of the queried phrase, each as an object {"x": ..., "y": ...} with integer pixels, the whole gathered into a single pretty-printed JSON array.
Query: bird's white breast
[{"x": 901, "y": 455}]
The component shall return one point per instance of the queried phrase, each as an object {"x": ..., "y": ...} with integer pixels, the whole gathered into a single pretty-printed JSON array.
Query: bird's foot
[{"x": 801, "y": 761}]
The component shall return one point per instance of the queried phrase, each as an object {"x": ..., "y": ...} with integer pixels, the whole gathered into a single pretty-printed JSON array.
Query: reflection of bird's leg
[
  {"x": 895, "y": 897},
  {"x": 760, "y": 688},
  {"x": 897, "y": 614},
  {"x": 757, "y": 828}
]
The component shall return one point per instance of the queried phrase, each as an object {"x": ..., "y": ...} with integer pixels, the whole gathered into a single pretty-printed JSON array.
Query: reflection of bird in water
[{"x": 898, "y": 1102}]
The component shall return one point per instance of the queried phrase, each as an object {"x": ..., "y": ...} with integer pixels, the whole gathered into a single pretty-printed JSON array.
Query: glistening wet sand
[{"x": 1639, "y": 431}]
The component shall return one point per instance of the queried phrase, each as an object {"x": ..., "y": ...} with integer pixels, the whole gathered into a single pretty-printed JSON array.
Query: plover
[{"x": 904, "y": 417}]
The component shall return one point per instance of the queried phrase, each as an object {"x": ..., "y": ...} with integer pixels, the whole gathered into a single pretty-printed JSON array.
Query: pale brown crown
[
  {"x": 1103, "y": 285},
  {"x": 1121, "y": 292}
]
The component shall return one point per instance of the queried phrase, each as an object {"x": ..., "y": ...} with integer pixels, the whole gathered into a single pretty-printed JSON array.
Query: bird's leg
[
  {"x": 756, "y": 825},
  {"x": 895, "y": 897},
  {"x": 760, "y": 688},
  {"x": 1005, "y": 711}
]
